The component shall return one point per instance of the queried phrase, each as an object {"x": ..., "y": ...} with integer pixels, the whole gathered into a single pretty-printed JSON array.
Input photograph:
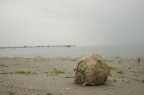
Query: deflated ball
[{"x": 91, "y": 70}]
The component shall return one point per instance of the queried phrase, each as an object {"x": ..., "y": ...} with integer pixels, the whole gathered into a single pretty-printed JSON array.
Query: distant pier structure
[{"x": 42, "y": 46}]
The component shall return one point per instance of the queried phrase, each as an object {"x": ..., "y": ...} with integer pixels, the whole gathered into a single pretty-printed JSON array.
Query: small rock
[
  {"x": 67, "y": 88},
  {"x": 121, "y": 72},
  {"x": 30, "y": 88},
  {"x": 49, "y": 94},
  {"x": 142, "y": 81},
  {"x": 129, "y": 68},
  {"x": 68, "y": 77},
  {"x": 115, "y": 80}
]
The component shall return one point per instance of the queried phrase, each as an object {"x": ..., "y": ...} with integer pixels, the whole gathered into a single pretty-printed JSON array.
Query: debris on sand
[
  {"x": 91, "y": 70},
  {"x": 138, "y": 60},
  {"x": 142, "y": 81}
]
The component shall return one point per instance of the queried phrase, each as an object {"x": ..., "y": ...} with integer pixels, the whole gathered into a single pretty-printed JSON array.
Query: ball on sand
[{"x": 91, "y": 70}]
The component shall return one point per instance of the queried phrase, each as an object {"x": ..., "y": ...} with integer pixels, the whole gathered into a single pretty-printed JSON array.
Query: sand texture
[{"x": 55, "y": 76}]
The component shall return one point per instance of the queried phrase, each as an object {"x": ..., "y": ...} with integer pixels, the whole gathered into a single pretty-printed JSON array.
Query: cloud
[{"x": 87, "y": 22}]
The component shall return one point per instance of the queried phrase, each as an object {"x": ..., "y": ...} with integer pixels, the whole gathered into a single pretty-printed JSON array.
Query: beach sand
[{"x": 55, "y": 76}]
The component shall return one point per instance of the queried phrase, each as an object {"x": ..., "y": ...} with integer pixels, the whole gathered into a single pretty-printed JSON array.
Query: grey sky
[{"x": 80, "y": 22}]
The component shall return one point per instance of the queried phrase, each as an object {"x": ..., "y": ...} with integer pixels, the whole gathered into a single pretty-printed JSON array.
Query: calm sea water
[{"x": 106, "y": 51}]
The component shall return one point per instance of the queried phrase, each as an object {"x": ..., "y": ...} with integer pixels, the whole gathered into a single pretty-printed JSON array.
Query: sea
[{"x": 76, "y": 51}]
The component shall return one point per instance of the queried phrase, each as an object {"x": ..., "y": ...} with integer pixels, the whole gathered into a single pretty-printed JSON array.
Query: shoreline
[{"x": 105, "y": 51}]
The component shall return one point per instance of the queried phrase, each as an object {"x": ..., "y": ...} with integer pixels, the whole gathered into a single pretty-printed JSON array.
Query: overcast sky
[{"x": 79, "y": 22}]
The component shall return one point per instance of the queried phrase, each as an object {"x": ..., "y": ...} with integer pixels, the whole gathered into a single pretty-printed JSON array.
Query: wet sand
[{"x": 55, "y": 76}]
